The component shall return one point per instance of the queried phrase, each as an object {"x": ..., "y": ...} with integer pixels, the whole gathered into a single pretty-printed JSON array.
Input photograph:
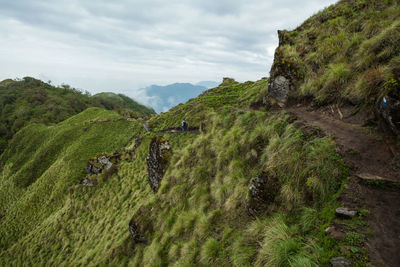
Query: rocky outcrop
[
  {"x": 140, "y": 224},
  {"x": 157, "y": 161},
  {"x": 284, "y": 73},
  {"x": 101, "y": 162},
  {"x": 135, "y": 233},
  {"x": 262, "y": 192},
  {"x": 227, "y": 81},
  {"x": 390, "y": 111}
]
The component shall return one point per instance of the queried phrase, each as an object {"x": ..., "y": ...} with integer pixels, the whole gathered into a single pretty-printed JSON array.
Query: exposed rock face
[
  {"x": 92, "y": 169},
  {"x": 263, "y": 190},
  {"x": 279, "y": 88},
  {"x": 140, "y": 224},
  {"x": 105, "y": 162},
  {"x": 283, "y": 74},
  {"x": 390, "y": 111},
  {"x": 157, "y": 161},
  {"x": 135, "y": 233},
  {"x": 101, "y": 162}
]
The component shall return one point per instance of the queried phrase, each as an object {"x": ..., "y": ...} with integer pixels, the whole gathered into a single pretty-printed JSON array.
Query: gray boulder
[
  {"x": 345, "y": 213},
  {"x": 279, "y": 88}
]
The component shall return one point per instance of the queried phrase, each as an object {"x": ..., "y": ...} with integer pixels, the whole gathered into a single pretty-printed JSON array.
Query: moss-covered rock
[{"x": 157, "y": 161}]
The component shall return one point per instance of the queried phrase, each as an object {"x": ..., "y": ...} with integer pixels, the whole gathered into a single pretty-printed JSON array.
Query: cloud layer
[{"x": 123, "y": 45}]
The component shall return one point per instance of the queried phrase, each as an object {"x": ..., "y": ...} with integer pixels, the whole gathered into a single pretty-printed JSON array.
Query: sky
[{"x": 123, "y": 46}]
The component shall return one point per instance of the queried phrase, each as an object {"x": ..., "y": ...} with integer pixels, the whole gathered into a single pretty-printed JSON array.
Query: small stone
[
  {"x": 329, "y": 229},
  {"x": 340, "y": 262},
  {"x": 87, "y": 182},
  {"x": 334, "y": 233},
  {"x": 345, "y": 213}
]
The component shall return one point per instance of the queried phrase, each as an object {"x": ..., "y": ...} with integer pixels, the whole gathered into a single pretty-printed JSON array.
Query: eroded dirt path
[
  {"x": 372, "y": 156},
  {"x": 179, "y": 131}
]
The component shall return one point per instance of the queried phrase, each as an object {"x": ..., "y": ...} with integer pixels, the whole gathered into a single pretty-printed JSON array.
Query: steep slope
[
  {"x": 229, "y": 94},
  {"x": 248, "y": 185},
  {"x": 30, "y": 100},
  {"x": 340, "y": 71},
  {"x": 202, "y": 211},
  {"x": 347, "y": 54},
  {"x": 43, "y": 163}
]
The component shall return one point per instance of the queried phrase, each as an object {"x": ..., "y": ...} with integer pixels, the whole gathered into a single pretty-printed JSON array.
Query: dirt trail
[
  {"x": 371, "y": 157},
  {"x": 179, "y": 131}
]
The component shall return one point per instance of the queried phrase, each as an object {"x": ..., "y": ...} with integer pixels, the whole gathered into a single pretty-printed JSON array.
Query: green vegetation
[
  {"x": 198, "y": 217},
  {"x": 347, "y": 53},
  {"x": 33, "y": 101},
  {"x": 230, "y": 94},
  {"x": 122, "y": 104},
  {"x": 43, "y": 163}
]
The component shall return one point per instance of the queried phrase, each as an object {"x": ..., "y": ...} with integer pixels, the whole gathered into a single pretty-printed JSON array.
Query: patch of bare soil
[
  {"x": 375, "y": 168},
  {"x": 179, "y": 130}
]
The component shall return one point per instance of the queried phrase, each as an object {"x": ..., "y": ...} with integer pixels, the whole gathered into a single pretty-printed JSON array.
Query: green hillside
[
  {"x": 347, "y": 53},
  {"x": 198, "y": 216},
  {"x": 256, "y": 180},
  {"x": 229, "y": 94},
  {"x": 114, "y": 101},
  {"x": 43, "y": 163},
  {"x": 31, "y": 100}
]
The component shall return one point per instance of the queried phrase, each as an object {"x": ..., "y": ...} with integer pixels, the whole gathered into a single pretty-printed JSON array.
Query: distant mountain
[{"x": 166, "y": 97}]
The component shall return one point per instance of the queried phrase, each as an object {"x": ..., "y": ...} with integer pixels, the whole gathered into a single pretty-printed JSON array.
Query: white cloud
[{"x": 124, "y": 45}]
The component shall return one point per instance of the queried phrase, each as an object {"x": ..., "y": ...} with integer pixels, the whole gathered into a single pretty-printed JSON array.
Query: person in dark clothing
[{"x": 184, "y": 125}]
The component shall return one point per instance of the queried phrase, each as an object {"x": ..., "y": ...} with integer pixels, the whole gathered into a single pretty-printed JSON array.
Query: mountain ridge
[{"x": 275, "y": 172}]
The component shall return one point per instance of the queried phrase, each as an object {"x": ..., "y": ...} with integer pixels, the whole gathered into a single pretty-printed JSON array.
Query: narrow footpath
[{"x": 374, "y": 180}]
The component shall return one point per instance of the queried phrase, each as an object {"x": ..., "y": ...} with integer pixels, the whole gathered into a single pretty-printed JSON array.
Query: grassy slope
[
  {"x": 198, "y": 216},
  {"x": 44, "y": 162},
  {"x": 120, "y": 100},
  {"x": 30, "y": 100},
  {"x": 227, "y": 95},
  {"x": 347, "y": 53}
]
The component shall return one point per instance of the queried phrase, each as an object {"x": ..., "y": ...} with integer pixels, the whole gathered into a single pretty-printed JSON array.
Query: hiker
[
  {"x": 184, "y": 125},
  {"x": 384, "y": 103}
]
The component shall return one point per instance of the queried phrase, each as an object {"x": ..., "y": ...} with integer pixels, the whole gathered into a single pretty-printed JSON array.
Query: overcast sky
[{"x": 124, "y": 45}]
